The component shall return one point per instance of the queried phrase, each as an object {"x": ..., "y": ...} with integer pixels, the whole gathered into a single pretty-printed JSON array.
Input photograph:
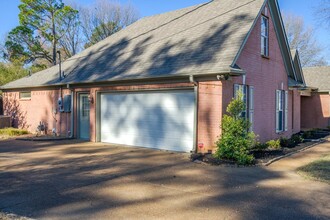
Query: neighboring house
[
  {"x": 165, "y": 81},
  {"x": 315, "y": 104}
]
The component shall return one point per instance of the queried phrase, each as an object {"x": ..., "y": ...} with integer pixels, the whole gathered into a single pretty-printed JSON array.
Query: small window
[
  {"x": 85, "y": 106},
  {"x": 264, "y": 36},
  {"x": 25, "y": 95}
]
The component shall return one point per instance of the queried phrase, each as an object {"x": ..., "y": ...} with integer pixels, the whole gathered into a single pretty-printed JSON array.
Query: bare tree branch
[
  {"x": 104, "y": 18},
  {"x": 322, "y": 13},
  {"x": 303, "y": 39}
]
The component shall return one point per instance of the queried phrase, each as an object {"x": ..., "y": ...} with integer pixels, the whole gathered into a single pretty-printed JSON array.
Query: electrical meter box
[{"x": 67, "y": 103}]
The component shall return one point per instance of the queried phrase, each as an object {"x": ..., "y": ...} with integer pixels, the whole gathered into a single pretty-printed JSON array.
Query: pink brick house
[
  {"x": 165, "y": 81},
  {"x": 315, "y": 103}
]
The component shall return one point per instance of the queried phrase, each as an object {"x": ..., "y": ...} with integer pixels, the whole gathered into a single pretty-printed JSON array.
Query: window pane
[
  {"x": 25, "y": 95},
  {"x": 264, "y": 36},
  {"x": 85, "y": 106},
  {"x": 280, "y": 101},
  {"x": 280, "y": 121},
  {"x": 266, "y": 28}
]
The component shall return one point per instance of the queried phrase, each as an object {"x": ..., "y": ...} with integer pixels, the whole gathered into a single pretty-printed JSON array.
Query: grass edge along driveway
[{"x": 317, "y": 170}]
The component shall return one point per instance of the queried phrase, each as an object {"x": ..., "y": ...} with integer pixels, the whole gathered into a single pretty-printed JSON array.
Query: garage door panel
[{"x": 163, "y": 120}]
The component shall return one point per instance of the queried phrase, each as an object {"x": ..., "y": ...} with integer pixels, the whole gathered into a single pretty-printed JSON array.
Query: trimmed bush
[
  {"x": 274, "y": 144},
  {"x": 236, "y": 140}
]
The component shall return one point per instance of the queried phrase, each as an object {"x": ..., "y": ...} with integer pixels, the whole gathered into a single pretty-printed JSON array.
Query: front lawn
[{"x": 317, "y": 170}]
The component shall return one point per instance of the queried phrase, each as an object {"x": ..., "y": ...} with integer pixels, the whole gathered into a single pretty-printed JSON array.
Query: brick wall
[
  {"x": 210, "y": 111},
  {"x": 266, "y": 75},
  {"x": 296, "y": 111},
  {"x": 315, "y": 111},
  {"x": 40, "y": 108}
]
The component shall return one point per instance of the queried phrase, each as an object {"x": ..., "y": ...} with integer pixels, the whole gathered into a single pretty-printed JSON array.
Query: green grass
[
  {"x": 317, "y": 170},
  {"x": 12, "y": 132}
]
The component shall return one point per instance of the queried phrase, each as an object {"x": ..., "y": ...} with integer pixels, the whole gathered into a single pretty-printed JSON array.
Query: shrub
[
  {"x": 307, "y": 135},
  {"x": 289, "y": 143},
  {"x": 235, "y": 141},
  {"x": 13, "y": 132},
  {"x": 274, "y": 144},
  {"x": 260, "y": 146},
  {"x": 297, "y": 139}
]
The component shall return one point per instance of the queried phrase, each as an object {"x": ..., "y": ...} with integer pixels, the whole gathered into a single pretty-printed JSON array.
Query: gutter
[{"x": 230, "y": 70}]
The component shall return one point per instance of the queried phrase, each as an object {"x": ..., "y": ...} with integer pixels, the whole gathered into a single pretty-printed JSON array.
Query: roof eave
[{"x": 230, "y": 71}]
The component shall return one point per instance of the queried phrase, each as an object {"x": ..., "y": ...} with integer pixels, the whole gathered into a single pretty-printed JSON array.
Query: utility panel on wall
[{"x": 67, "y": 103}]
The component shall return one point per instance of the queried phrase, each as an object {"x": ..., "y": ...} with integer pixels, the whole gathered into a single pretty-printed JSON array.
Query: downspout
[
  {"x": 60, "y": 113},
  {"x": 195, "y": 83},
  {"x": 72, "y": 115}
]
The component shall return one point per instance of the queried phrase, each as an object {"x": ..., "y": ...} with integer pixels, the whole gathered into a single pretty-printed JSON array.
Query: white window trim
[
  {"x": 281, "y": 95},
  {"x": 265, "y": 36},
  {"x": 251, "y": 107},
  {"x": 25, "y": 98},
  {"x": 249, "y": 101}
]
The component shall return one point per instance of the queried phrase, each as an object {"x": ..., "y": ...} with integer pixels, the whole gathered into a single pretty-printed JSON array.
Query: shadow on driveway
[{"x": 72, "y": 180}]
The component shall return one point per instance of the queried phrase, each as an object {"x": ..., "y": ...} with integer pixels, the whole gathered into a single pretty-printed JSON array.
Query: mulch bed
[{"x": 262, "y": 157}]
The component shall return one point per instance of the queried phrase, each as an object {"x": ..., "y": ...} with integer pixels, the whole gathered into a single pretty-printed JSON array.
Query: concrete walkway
[{"x": 77, "y": 180}]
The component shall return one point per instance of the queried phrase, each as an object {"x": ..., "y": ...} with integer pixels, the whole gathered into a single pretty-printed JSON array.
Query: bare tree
[
  {"x": 104, "y": 18},
  {"x": 303, "y": 39},
  {"x": 322, "y": 13},
  {"x": 3, "y": 50},
  {"x": 72, "y": 41}
]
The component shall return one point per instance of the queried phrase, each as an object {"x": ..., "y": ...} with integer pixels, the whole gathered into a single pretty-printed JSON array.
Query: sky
[{"x": 9, "y": 13}]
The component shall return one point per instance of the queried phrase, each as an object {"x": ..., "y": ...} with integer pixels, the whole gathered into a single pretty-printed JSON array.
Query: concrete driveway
[{"x": 77, "y": 180}]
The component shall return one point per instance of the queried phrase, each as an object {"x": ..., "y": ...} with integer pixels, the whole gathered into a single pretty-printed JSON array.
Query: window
[
  {"x": 25, "y": 95},
  {"x": 264, "y": 36},
  {"x": 85, "y": 106},
  {"x": 248, "y": 98},
  {"x": 281, "y": 111},
  {"x": 243, "y": 90}
]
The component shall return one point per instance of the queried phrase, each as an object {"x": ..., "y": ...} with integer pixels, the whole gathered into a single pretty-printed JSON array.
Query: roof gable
[{"x": 276, "y": 18}]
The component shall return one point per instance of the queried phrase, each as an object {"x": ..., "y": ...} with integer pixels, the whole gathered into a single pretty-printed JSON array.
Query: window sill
[
  {"x": 281, "y": 132},
  {"x": 27, "y": 99},
  {"x": 266, "y": 57}
]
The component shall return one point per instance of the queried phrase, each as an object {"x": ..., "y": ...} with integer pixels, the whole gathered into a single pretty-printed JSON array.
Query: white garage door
[{"x": 157, "y": 119}]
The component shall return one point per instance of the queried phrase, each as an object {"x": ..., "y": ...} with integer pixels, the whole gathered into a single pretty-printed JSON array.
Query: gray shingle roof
[
  {"x": 318, "y": 77},
  {"x": 201, "y": 39}
]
